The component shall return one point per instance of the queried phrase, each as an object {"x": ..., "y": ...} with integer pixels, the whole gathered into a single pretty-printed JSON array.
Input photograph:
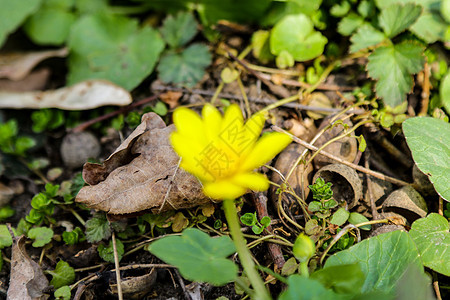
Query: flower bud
[{"x": 304, "y": 248}]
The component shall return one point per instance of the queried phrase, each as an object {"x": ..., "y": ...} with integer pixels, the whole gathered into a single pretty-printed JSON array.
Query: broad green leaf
[
  {"x": 445, "y": 9},
  {"x": 187, "y": 67},
  {"x": 429, "y": 141},
  {"x": 444, "y": 92},
  {"x": 198, "y": 256},
  {"x": 397, "y": 18},
  {"x": 63, "y": 274},
  {"x": 5, "y": 237},
  {"x": 114, "y": 48},
  {"x": 428, "y": 4},
  {"x": 414, "y": 284},
  {"x": 261, "y": 46},
  {"x": 63, "y": 293},
  {"x": 356, "y": 218},
  {"x": 13, "y": 13},
  {"x": 432, "y": 238},
  {"x": 366, "y": 36},
  {"x": 296, "y": 35},
  {"x": 383, "y": 259},
  {"x": 107, "y": 252},
  {"x": 393, "y": 66},
  {"x": 41, "y": 236},
  {"x": 350, "y": 23},
  {"x": 304, "y": 288},
  {"x": 430, "y": 27},
  {"x": 50, "y": 26},
  {"x": 179, "y": 30},
  {"x": 340, "y": 217},
  {"x": 97, "y": 228},
  {"x": 343, "y": 279}
]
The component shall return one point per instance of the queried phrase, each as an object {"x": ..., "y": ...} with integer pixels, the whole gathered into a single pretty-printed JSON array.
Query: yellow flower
[{"x": 222, "y": 151}]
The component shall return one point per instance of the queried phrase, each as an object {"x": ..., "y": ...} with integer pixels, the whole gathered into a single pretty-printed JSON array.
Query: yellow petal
[
  {"x": 212, "y": 120},
  {"x": 224, "y": 189},
  {"x": 189, "y": 123},
  {"x": 252, "y": 130},
  {"x": 253, "y": 181},
  {"x": 265, "y": 149}
]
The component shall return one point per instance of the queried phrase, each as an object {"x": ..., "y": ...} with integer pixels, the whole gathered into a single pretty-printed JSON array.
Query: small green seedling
[
  {"x": 322, "y": 192},
  {"x": 107, "y": 252},
  {"x": 250, "y": 219}
]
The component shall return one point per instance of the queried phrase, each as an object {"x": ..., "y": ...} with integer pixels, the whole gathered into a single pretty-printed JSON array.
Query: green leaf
[
  {"x": 187, "y": 67},
  {"x": 304, "y": 288},
  {"x": 41, "y": 236},
  {"x": 5, "y": 237},
  {"x": 430, "y": 27},
  {"x": 429, "y": 141},
  {"x": 444, "y": 92},
  {"x": 198, "y": 256},
  {"x": 63, "y": 274},
  {"x": 356, "y": 218},
  {"x": 265, "y": 221},
  {"x": 432, "y": 238},
  {"x": 63, "y": 293},
  {"x": 284, "y": 60},
  {"x": 257, "y": 229},
  {"x": 383, "y": 259},
  {"x": 179, "y": 30},
  {"x": 6, "y": 212},
  {"x": 13, "y": 13},
  {"x": 107, "y": 252},
  {"x": 340, "y": 10},
  {"x": 445, "y": 9},
  {"x": 160, "y": 108},
  {"x": 97, "y": 228},
  {"x": 397, "y": 18},
  {"x": 340, "y": 217},
  {"x": 73, "y": 237},
  {"x": 50, "y": 26},
  {"x": 393, "y": 66},
  {"x": 366, "y": 36},
  {"x": 296, "y": 35},
  {"x": 114, "y": 48},
  {"x": 414, "y": 284},
  {"x": 249, "y": 219},
  {"x": 314, "y": 206},
  {"x": 343, "y": 279},
  {"x": 349, "y": 24},
  {"x": 261, "y": 46}
]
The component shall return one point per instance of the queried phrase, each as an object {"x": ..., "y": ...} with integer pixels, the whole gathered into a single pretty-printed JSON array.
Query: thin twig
[
  {"x": 352, "y": 165},
  {"x": 116, "y": 263},
  {"x": 373, "y": 206}
]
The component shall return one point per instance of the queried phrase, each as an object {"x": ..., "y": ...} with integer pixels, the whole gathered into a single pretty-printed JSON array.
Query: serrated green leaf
[
  {"x": 444, "y": 92},
  {"x": 429, "y": 141},
  {"x": 13, "y": 13},
  {"x": 112, "y": 47},
  {"x": 41, "y": 236},
  {"x": 97, "y": 228},
  {"x": 383, "y": 259},
  {"x": 107, "y": 252},
  {"x": 366, "y": 36},
  {"x": 397, "y": 18},
  {"x": 430, "y": 27},
  {"x": 340, "y": 217},
  {"x": 198, "y": 256},
  {"x": 300, "y": 287},
  {"x": 296, "y": 35},
  {"x": 186, "y": 68},
  {"x": 432, "y": 238},
  {"x": 63, "y": 293},
  {"x": 5, "y": 237},
  {"x": 343, "y": 279},
  {"x": 50, "y": 26},
  {"x": 393, "y": 66},
  {"x": 63, "y": 274},
  {"x": 178, "y": 30},
  {"x": 348, "y": 24}
]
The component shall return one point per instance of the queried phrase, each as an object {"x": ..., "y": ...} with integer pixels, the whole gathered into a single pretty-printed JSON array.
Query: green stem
[
  {"x": 243, "y": 252},
  {"x": 304, "y": 269}
]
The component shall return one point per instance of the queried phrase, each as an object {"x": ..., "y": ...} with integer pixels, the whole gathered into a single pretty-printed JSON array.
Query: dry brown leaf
[
  {"x": 36, "y": 80},
  {"x": 17, "y": 66},
  {"x": 171, "y": 98},
  {"x": 27, "y": 281},
  {"x": 84, "y": 95},
  {"x": 143, "y": 173}
]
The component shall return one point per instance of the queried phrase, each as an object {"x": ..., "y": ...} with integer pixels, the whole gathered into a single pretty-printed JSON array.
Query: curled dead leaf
[
  {"x": 142, "y": 174},
  {"x": 137, "y": 287},
  {"x": 407, "y": 202},
  {"x": 17, "y": 66},
  {"x": 84, "y": 95},
  {"x": 27, "y": 281}
]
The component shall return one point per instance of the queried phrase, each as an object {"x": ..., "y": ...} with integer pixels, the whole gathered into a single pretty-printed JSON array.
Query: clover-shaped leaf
[
  {"x": 112, "y": 47},
  {"x": 296, "y": 35},
  {"x": 41, "y": 236},
  {"x": 432, "y": 238},
  {"x": 428, "y": 139},
  {"x": 198, "y": 256},
  {"x": 393, "y": 66},
  {"x": 187, "y": 67}
]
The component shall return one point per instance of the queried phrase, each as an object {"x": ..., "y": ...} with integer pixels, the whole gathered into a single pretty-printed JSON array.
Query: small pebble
[{"x": 77, "y": 148}]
